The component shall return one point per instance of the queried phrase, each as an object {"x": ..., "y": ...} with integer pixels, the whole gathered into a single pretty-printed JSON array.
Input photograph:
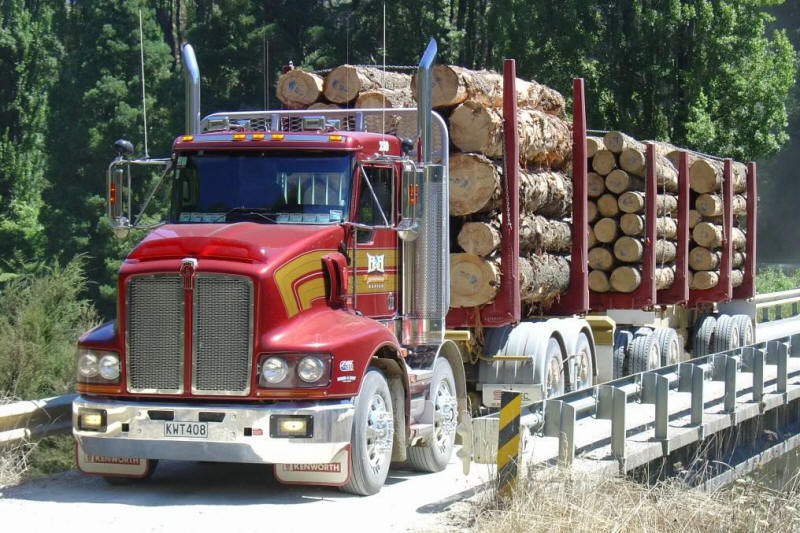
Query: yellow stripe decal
[{"x": 287, "y": 274}]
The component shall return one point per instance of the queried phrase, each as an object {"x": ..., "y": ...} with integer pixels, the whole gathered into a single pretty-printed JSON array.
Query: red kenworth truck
[{"x": 294, "y": 308}]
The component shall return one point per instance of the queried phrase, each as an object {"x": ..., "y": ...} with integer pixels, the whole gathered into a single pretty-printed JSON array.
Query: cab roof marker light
[
  {"x": 258, "y": 137},
  {"x": 277, "y": 136},
  {"x": 239, "y": 137},
  {"x": 335, "y": 138},
  {"x": 187, "y": 138}
]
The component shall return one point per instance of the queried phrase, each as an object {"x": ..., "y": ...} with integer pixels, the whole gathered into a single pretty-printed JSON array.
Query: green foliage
[
  {"x": 42, "y": 314},
  {"x": 774, "y": 279}
]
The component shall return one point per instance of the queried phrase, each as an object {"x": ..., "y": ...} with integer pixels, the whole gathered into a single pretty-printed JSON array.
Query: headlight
[
  {"x": 109, "y": 367},
  {"x": 310, "y": 369},
  {"x": 87, "y": 365},
  {"x": 97, "y": 366},
  {"x": 274, "y": 370}
]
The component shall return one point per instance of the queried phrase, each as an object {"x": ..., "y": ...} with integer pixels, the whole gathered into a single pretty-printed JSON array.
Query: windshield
[{"x": 301, "y": 188}]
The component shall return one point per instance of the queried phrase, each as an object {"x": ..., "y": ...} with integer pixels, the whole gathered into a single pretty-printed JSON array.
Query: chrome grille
[
  {"x": 222, "y": 335},
  {"x": 154, "y": 334}
]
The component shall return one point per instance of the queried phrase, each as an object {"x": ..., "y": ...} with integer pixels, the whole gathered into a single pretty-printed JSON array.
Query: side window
[{"x": 367, "y": 211}]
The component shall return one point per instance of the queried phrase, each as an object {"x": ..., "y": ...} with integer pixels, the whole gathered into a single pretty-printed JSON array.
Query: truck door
[{"x": 376, "y": 261}]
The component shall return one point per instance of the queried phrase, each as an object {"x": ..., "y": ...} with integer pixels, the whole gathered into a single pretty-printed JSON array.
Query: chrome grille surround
[
  {"x": 154, "y": 334},
  {"x": 222, "y": 335}
]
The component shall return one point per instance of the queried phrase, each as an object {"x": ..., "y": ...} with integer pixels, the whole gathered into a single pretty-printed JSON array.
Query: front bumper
[{"x": 226, "y": 441}]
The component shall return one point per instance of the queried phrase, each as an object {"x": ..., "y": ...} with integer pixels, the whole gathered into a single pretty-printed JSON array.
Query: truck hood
[{"x": 243, "y": 241}]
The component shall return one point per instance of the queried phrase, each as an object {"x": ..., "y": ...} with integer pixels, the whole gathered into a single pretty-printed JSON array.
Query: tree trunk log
[
  {"x": 617, "y": 142},
  {"x": 665, "y": 277},
  {"x": 453, "y": 85},
  {"x": 737, "y": 278},
  {"x": 628, "y": 249},
  {"x": 634, "y": 202},
  {"x": 618, "y": 181},
  {"x": 704, "y": 280},
  {"x": 591, "y": 211},
  {"x": 711, "y": 205},
  {"x": 298, "y": 89},
  {"x": 603, "y": 162},
  {"x": 635, "y": 162},
  {"x": 592, "y": 238},
  {"x": 665, "y": 251},
  {"x": 598, "y": 281},
  {"x": 479, "y": 238},
  {"x": 666, "y": 228},
  {"x": 631, "y": 224},
  {"x": 345, "y": 82},
  {"x": 607, "y": 205},
  {"x": 694, "y": 218},
  {"x": 701, "y": 258},
  {"x": 605, "y": 230},
  {"x": 601, "y": 259},
  {"x": 705, "y": 176},
  {"x": 537, "y": 234},
  {"x": 625, "y": 279},
  {"x": 593, "y": 144},
  {"x": 546, "y": 193},
  {"x": 596, "y": 185},
  {"x": 380, "y": 98},
  {"x": 738, "y": 259},
  {"x": 544, "y": 139},
  {"x": 709, "y": 235},
  {"x": 474, "y": 184},
  {"x": 548, "y": 280},
  {"x": 473, "y": 280}
]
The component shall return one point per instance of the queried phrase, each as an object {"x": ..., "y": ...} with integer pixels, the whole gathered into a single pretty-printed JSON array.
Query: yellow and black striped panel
[{"x": 508, "y": 439}]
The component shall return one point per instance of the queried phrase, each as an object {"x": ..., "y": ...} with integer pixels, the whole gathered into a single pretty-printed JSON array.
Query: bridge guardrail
[
  {"x": 784, "y": 304},
  {"x": 35, "y": 419}
]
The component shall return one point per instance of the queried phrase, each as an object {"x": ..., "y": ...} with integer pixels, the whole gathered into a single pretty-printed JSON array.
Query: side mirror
[
  {"x": 115, "y": 199},
  {"x": 408, "y": 228},
  {"x": 334, "y": 274}
]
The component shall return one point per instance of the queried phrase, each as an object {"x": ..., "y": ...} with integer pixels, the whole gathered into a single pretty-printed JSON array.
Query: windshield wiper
[{"x": 245, "y": 211}]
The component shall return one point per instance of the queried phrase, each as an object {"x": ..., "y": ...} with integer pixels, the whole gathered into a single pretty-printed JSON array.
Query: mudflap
[
  {"x": 111, "y": 466},
  {"x": 334, "y": 474}
]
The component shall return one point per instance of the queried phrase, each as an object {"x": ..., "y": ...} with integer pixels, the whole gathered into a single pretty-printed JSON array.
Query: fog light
[
  {"x": 291, "y": 426},
  {"x": 92, "y": 420}
]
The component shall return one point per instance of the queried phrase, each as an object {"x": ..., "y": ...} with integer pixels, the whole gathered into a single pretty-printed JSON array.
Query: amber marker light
[
  {"x": 335, "y": 138},
  {"x": 187, "y": 138},
  {"x": 276, "y": 136},
  {"x": 239, "y": 136},
  {"x": 258, "y": 136}
]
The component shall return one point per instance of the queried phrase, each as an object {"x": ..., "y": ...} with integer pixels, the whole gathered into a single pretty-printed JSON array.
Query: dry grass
[
  {"x": 13, "y": 459},
  {"x": 563, "y": 500}
]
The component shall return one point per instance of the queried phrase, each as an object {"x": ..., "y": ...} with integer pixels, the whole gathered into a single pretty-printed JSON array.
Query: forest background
[{"x": 715, "y": 75}]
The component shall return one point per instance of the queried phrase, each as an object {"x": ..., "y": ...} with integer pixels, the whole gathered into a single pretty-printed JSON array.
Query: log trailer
[{"x": 294, "y": 308}]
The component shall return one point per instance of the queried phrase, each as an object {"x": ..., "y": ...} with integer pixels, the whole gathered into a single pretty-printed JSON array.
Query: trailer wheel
[
  {"x": 434, "y": 455},
  {"x": 703, "y": 335},
  {"x": 125, "y": 480},
  {"x": 645, "y": 353},
  {"x": 583, "y": 369},
  {"x": 622, "y": 343},
  {"x": 726, "y": 335},
  {"x": 747, "y": 334},
  {"x": 670, "y": 346},
  {"x": 371, "y": 439},
  {"x": 553, "y": 378}
]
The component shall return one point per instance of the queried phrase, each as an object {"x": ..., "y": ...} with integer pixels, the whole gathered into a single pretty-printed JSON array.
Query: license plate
[{"x": 196, "y": 430}]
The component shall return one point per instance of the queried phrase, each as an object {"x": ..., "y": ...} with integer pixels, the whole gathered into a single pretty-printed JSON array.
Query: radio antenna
[
  {"x": 383, "y": 107},
  {"x": 265, "y": 64},
  {"x": 144, "y": 98}
]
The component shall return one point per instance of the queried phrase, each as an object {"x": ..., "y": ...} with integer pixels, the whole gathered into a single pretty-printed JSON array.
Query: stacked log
[
  {"x": 472, "y": 103},
  {"x": 617, "y": 190}
]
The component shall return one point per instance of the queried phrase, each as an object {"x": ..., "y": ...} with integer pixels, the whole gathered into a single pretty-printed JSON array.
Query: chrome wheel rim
[
  {"x": 583, "y": 374},
  {"x": 654, "y": 358},
  {"x": 554, "y": 375},
  {"x": 673, "y": 355},
  {"x": 445, "y": 417},
  {"x": 380, "y": 432}
]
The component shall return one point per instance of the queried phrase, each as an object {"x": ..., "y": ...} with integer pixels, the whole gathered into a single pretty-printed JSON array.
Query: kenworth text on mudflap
[{"x": 294, "y": 308}]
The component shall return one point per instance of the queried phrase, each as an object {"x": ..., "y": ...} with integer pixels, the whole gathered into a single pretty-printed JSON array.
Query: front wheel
[
  {"x": 372, "y": 436},
  {"x": 435, "y": 453}
]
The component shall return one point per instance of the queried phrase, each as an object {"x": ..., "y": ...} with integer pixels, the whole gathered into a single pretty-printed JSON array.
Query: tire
[
  {"x": 121, "y": 481},
  {"x": 726, "y": 335},
  {"x": 434, "y": 455},
  {"x": 703, "y": 335},
  {"x": 645, "y": 354},
  {"x": 747, "y": 332},
  {"x": 553, "y": 376},
  {"x": 372, "y": 435},
  {"x": 669, "y": 345},
  {"x": 622, "y": 344},
  {"x": 583, "y": 374}
]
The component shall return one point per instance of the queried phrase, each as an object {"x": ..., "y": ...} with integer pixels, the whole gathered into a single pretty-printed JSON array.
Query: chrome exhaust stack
[
  {"x": 426, "y": 257},
  {"x": 191, "y": 73}
]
